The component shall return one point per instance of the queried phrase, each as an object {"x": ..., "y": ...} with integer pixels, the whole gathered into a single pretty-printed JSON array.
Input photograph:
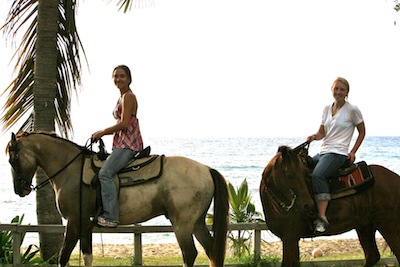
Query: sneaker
[
  {"x": 106, "y": 223},
  {"x": 321, "y": 224}
]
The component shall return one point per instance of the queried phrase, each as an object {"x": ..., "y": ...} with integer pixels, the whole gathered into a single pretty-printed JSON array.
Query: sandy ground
[{"x": 328, "y": 247}]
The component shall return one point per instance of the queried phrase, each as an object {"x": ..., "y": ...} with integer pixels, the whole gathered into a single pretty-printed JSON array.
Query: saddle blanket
[
  {"x": 352, "y": 180},
  {"x": 136, "y": 172}
]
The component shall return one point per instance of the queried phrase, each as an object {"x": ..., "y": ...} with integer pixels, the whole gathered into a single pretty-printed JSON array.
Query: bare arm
[
  {"x": 357, "y": 144},
  {"x": 318, "y": 135},
  {"x": 129, "y": 109}
]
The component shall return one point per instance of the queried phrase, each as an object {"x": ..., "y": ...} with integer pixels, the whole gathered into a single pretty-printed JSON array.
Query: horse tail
[{"x": 220, "y": 221}]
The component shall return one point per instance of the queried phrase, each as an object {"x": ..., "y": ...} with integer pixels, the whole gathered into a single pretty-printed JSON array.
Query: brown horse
[
  {"x": 290, "y": 210},
  {"x": 183, "y": 193}
]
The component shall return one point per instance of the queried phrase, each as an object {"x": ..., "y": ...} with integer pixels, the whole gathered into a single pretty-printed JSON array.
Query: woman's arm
[
  {"x": 129, "y": 109},
  {"x": 357, "y": 144},
  {"x": 318, "y": 135}
]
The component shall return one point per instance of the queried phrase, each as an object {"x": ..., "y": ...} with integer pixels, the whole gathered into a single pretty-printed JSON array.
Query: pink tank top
[{"x": 130, "y": 137}]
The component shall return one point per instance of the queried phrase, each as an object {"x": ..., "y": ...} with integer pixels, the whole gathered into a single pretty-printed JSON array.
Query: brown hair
[{"x": 127, "y": 71}]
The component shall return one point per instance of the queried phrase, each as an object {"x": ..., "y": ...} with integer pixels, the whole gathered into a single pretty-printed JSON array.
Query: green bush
[
  {"x": 6, "y": 247},
  {"x": 250, "y": 261},
  {"x": 242, "y": 210}
]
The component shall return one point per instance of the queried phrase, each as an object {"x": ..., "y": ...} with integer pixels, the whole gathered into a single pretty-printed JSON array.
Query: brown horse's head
[
  {"x": 284, "y": 185},
  {"x": 23, "y": 165}
]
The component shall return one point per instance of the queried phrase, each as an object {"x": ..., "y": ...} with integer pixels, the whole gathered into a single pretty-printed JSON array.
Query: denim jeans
[
  {"x": 327, "y": 165},
  {"x": 113, "y": 164}
]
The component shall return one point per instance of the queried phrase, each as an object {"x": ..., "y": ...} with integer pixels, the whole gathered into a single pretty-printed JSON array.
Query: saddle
[
  {"x": 351, "y": 180},
  {"x": 142, "y": 168}
]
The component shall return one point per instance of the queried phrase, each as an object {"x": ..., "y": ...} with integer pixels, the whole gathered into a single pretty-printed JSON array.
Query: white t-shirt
[{"x": 339, "y": 129}]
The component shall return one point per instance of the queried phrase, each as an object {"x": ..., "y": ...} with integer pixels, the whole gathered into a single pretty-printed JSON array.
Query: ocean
[{"x": 236, "y": 158}]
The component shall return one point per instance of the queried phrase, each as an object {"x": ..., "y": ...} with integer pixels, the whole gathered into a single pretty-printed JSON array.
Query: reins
[
  {"x": 304, "y": 145},
  {"x": 47, "y": 181}
]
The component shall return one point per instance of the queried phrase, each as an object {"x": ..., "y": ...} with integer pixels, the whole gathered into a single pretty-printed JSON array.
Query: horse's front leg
[
  {"x": 291, "y": 254},
  {"x": 86, "y": 243},
  {"x": 75, "y": 231},
  {"x": 70, "y": 239}
]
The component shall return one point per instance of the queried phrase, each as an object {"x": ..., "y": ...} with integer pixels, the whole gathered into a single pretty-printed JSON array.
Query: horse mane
[
  {"x": 285, "y": 156},
  {"x": 23, "y": 134},
  {"x": 293, "y": 157}
]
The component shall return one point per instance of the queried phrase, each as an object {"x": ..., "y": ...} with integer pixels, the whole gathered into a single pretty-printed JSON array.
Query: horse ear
[
  {"x": 283, "y": 150},
  {"x": 13, "y": 143}
]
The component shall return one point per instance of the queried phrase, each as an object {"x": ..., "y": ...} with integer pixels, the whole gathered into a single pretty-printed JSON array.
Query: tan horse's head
[{"x": 23, "y": 165}]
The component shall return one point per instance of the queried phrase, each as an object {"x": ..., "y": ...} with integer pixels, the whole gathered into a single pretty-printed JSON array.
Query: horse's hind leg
[
  {"x": 203, "y": 236},
  {"x": 392, "y": 237},
  {"x": 366, "y": 235},
  {"x": 186, "y": 243}
]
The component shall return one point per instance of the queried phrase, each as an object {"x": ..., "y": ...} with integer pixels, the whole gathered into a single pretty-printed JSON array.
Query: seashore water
[{"x": 237, "y": 158}]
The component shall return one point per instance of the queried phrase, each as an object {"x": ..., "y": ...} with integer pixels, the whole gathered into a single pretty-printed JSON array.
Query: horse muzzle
[{"x": 22, "y": 188}]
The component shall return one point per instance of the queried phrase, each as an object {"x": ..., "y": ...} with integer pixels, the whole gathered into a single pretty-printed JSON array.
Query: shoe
[
  {"x": 106, "y": 223},
  {"x": 321, "y": 224}
]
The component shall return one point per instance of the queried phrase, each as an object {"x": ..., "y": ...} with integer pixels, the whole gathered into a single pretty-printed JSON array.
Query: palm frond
[
  {"x": 127, "y": 5},
  {"x": 20, "y": 90}
]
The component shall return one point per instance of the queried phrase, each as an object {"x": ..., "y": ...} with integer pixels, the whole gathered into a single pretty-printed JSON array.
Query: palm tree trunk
[{"x": 45, "y": 85}]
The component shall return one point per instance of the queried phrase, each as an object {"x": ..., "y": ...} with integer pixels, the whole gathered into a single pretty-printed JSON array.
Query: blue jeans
[
  {"x": 327, "y": 165},
  {"x": 113, "y": 164}
]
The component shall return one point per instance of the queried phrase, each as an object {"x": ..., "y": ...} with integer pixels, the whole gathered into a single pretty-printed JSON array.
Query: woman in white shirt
[{"x": 336, "y": 131}]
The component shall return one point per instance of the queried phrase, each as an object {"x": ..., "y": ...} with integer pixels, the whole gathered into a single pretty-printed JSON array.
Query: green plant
[
  {"x": 6, "y": 247},
  {"x": 242, "y": 210},
  {"x": 249, "y": 261}
]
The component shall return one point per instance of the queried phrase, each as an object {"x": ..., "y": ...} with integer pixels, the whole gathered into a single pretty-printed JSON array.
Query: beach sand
[{"x": 329, "y": 247}]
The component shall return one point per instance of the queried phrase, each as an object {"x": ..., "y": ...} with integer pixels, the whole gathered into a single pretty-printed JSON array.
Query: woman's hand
[
  {"x": 311, "y": 138},
  {"x": 97, "y": 135},
  {"x": 351, "y": 157}
]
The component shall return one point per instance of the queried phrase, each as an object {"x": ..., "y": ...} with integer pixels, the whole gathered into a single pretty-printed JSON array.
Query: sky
[{"x": 234, "y": 68}]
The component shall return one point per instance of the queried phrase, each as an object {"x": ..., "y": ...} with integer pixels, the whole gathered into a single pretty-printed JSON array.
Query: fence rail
[{"x": 137, "y": 230}]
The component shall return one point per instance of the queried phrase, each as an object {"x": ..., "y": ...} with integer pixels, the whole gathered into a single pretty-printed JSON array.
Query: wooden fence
[{"x": 138, "y": 230}]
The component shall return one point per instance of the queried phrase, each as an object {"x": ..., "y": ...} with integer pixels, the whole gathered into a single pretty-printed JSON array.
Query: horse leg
[
  {"x": 86, "y": 244},
  {"x": 366, "y": 235},
  {"x": 69, "y": 243},
  {"x": 291, "y": 253},
  {"x": 72, "y": 235},
  {"x": 204, "y": 237},
  {"x": 392, "y": 238},
  {"x": 186, "y": 243}
]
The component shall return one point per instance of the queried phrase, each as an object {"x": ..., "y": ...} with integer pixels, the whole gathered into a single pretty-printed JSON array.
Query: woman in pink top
[{"x": 127, "y": 142}]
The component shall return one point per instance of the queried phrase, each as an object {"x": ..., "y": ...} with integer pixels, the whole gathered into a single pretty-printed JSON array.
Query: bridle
[
  {"x": 274, "y": 200},
  {"x": 15, "y": 161},
  {"x": 16, "y": 165},
  {"x": 276, "y": 203}
]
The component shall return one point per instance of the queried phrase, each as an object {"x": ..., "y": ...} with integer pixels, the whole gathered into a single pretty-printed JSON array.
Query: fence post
[
  {"x": 16, "y": 247},
  {"x": 257, "y": 243},
  {"x": 138, "y": 249}
]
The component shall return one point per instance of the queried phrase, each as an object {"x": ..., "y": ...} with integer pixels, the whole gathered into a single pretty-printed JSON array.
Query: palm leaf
[{"x": 20, "y": 90}]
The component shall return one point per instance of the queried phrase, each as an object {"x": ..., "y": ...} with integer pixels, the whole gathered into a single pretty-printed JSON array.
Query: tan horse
[
  {"x": 289, "y": 208},
  {"x": 183, "y": 194}
]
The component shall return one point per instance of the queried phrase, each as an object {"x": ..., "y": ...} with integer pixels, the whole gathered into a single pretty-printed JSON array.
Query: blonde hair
[{"x": 342, "y": 80}]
